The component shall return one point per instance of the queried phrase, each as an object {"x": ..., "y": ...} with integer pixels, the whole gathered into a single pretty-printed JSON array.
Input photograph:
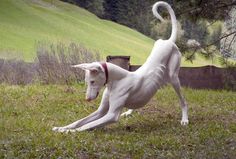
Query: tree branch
[
  {"x": 201, "y": 8},
  {"x": 225, "y": 36},
  {"x": 231, "y": 41}
]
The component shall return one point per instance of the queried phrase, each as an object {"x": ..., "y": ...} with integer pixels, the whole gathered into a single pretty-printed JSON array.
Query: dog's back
[{"x": 160, "y": 54}]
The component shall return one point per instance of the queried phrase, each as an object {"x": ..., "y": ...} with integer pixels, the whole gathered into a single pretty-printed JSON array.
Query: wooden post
[{"x": 122, "y": 61}]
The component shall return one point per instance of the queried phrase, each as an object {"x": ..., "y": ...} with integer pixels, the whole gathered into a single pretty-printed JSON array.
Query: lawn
[{"x": 28, "y": 114}]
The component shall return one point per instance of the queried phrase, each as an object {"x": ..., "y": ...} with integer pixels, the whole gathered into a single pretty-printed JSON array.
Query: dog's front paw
[
  {"x": 184, "y": 122},
  {"x": 60, "y": 129},
  {"x": 55, "y": 128},
  {"x": 63, "y": 129}
]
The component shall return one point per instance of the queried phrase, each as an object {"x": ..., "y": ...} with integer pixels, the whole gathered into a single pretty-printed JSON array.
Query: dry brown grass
[{"x": 52, "y": 65}]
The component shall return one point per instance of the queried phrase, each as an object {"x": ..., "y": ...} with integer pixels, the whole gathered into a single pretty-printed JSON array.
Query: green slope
[{"x": 24, "y": 22}]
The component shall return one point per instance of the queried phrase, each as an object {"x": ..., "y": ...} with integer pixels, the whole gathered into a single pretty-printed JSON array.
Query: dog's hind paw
[
  {"x": 127, "y": 113},
  {"x": 184, "y": 122}
]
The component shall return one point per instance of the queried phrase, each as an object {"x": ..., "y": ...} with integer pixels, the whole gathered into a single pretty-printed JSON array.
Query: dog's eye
[{"x": 92, "y": 82}]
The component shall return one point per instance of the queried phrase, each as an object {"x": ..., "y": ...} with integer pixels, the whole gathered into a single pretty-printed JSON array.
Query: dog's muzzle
[{"x": 89, "y": 99}]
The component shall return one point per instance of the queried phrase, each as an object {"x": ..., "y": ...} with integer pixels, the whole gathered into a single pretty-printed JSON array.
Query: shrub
[
  {"x": 16, "y": 72},
  {"x": 52, "y": 65}
]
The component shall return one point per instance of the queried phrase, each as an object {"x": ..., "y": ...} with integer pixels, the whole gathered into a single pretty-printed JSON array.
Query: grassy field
[
  {"x": 25, "y": 22},
  {"x": 28, "y": 114}
]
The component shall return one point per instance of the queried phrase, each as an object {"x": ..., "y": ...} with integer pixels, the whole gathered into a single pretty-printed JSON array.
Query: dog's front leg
[
  {"x": 101, "y": 111},
  {"x": 115, "y": 107}
]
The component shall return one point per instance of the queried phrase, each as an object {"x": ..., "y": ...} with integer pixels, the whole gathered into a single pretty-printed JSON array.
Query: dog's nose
[{"x": 88, "y": 99}]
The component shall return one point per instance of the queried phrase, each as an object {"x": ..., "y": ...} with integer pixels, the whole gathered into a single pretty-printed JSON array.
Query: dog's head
[{"x": 95, "y": 78}]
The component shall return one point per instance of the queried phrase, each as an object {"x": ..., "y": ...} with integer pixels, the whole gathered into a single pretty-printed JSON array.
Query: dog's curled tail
[{"x": 172, "y": 16}]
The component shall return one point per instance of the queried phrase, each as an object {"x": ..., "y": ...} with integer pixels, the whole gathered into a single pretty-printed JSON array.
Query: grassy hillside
[
  {"x": 27, "y": 115},
  {"x": 24, "y": 22}
]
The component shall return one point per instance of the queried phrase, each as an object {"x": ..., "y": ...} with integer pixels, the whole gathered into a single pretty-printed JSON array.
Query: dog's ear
[
  {"x": 82, "y": 66},
  {"x": 93, "y": 67}
]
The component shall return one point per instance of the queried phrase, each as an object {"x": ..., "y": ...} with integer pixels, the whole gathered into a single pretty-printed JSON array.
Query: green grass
[
  {"x": 25, "y": 22},
  {"x": 28, "y": 114}
]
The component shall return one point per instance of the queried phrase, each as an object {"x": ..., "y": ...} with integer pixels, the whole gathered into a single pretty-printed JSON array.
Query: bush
[
  {"x": 16, "y": 72},
  {"x": 52, "y": 65}
]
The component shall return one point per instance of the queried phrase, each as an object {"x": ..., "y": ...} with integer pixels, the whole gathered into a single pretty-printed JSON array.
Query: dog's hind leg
[
  {"x": 127, "y": 113},
  {"x": 176, "y": 85},
  {"x": 101, "y": 111},
  {"x": 173, "y": 71}
]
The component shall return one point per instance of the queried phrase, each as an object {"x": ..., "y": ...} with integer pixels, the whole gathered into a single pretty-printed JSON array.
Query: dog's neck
[
  {"x": 104, "y": 66},
  {"x": 115, "y": 72}
]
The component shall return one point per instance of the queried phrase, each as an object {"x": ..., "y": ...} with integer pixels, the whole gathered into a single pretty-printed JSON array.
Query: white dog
[{"x": 131, "y": 89}]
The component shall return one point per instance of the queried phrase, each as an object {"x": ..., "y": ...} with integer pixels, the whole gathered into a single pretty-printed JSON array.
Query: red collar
[{"x": 104, "y": 65}]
